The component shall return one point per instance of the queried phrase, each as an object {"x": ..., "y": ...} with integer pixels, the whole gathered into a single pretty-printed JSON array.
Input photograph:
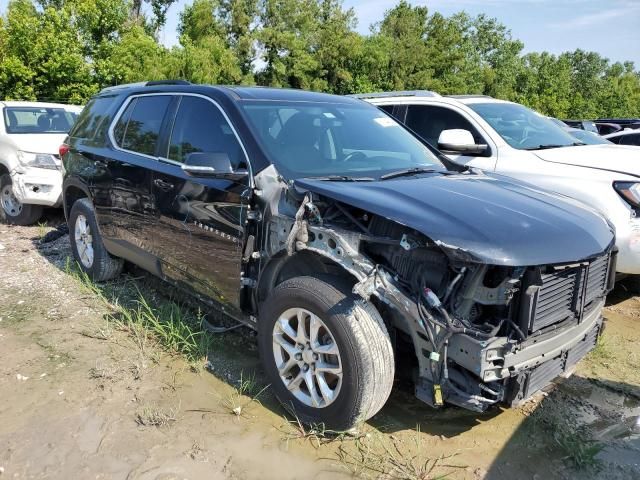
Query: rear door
[
  {"x": 129, "y": 201},
  {"x": 199, "y": 229}
]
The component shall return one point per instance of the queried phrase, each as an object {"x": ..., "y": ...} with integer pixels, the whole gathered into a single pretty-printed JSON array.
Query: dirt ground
[{"x": 81, "y": 397}]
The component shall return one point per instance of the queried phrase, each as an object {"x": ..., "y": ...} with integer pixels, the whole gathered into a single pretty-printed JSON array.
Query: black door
[
  {"x": 199, "y": 231},
  {"x": 126, "y": 208}
]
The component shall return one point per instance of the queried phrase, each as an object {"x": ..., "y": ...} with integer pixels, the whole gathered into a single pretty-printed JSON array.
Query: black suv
[{"x": 343, "y": 239}]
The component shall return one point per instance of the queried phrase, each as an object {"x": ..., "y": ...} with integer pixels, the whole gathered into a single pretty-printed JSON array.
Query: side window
[
  {"x": 429, "y": 121},
  {"x": 139, "y": 126},
  {"x": 631, "y": 139},
  {"x": 387, "y": 108},
  {"x": 199, "y": 126}
]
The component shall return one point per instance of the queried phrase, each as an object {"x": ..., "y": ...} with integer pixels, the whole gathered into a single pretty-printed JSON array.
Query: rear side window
[
  {"x": 93, "y": 118},
  {"x": 199, "y": 126},
  {"x": 138, "y": 128}
]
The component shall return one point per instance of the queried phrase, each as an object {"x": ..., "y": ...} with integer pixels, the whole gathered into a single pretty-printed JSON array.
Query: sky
[{"x": 609, "y": 27}]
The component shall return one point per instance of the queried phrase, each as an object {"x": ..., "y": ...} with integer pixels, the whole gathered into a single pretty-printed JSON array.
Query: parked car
[
  {"x": 587, "y": 125},
  {"x": 633, "y": 123},
  {"x": 343, "y": 239},
  {"x": 30, "y": 177},
  {"x": 608, "y": 128},
  {"x": 510, "y": 139},
  {"x": 587, "y": 137},
  {"x": 625, "y": 137}
]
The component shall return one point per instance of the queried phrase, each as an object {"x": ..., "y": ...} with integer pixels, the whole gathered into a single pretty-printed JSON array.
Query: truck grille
[{"x": 552, "y": 294}]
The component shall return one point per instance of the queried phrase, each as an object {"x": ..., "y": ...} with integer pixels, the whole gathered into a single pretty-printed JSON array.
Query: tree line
[{"x": 67, "y": 50}]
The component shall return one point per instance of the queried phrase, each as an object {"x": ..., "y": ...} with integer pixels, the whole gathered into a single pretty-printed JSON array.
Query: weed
[
  {"x": 176, "y": 328},
  {"x": 42, "y": 229},
  {"x": 375, "y": 456},
  {"x": 378, "y": 456},
  {"x": 154, "y": 416},
  {"x": 244, "y": 395},
  {"x": 578, "y": 448},
  {"x": 316, "y": 433}
]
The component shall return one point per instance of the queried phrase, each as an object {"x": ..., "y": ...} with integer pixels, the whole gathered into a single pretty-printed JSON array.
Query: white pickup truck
[
  {"x": 30, "y": 167},
  {"x": 510, "y": 139}
]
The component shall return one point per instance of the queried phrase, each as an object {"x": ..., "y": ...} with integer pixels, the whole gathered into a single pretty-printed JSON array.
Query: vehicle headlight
[
  {"x": 630, "y": 191},
  {"x": 38, "y": 160}
]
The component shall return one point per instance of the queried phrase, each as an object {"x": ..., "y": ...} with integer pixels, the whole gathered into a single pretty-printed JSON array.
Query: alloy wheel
[
  {"x": 307, "y": 357},
  {"x": 84, "y": 241}
]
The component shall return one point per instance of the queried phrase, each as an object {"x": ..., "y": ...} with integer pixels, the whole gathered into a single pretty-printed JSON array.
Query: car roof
[
  {"x": 12, "y": 103},
  {"x": 389, "y": 97},
  {"x": 235, "y": 93},
  {"x": 622, "y": 133}
]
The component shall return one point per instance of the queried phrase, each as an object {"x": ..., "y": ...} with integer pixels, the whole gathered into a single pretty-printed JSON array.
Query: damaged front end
[{"x": 481, "y": 334}]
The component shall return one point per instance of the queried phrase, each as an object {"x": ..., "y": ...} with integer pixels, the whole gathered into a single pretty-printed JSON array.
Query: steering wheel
[{"x": 354, "y": 155}]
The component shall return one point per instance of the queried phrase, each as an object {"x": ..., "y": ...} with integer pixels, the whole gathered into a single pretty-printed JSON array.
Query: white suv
[
  {"x": 510, "y": 139},
  {"x": 30, "y": 177}
]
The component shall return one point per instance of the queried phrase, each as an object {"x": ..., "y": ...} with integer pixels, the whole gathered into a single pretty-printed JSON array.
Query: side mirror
[
  {"x": 211, "y": 164},
  {"x": 460, "y": 141}
]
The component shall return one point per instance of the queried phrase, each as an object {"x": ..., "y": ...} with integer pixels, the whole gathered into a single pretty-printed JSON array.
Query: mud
[{"x": 84, "y": 409}]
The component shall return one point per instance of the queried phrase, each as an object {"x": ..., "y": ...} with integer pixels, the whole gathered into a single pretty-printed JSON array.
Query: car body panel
[{"x": 499, "y": 221}]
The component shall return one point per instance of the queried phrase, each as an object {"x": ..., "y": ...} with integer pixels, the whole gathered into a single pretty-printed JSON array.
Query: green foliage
[{"x": 69, "y": 49}]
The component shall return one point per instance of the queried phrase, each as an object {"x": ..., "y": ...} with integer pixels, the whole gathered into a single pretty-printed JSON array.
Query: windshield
[
  {"x": 589, "y": 138},
  {"x": 523, "y": 128},
  {"x": 321, "y": 140},
  {"x": 38, "y": 120}
]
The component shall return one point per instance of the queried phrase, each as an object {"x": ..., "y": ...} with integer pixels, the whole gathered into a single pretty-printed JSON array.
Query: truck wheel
[
  {"x": 326, "y": 352},
  {"x": 13, "y": 211},
  {"x": 86, "y": 243}
]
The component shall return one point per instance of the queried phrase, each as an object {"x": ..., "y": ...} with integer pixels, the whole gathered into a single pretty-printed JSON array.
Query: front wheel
[
  {"x": 12, "y": 210},
  {"x": 327, "y": 352}
]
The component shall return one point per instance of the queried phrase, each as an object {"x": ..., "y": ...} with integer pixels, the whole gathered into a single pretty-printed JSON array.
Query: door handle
[{"x": 162, "y": 185}]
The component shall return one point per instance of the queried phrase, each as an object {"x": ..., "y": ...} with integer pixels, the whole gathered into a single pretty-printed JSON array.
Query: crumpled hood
[
  {"x": 38, "y": 142},
  {"x": 495, "y": 220},
  {"x": 603, "y": 157}
]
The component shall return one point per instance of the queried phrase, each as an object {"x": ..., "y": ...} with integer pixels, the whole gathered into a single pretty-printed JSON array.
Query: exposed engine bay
[{"x": 481, "y": 334}]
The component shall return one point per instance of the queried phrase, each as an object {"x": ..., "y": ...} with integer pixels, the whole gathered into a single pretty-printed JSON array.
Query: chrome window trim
[{"x": 129, "y": 99}]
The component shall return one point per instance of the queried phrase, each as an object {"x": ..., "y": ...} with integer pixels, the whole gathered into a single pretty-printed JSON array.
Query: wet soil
[{"x": 82, "y": 399}]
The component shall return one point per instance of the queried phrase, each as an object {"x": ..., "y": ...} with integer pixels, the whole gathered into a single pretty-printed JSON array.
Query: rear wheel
[
  {"x": 86, "y": 243},
  {"x": 12, "y": 210},
  {"x": 327, "y": 352}
]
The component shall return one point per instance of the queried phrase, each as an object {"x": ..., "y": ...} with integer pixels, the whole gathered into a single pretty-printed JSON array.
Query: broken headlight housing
[{"x": 38, "y": 160}]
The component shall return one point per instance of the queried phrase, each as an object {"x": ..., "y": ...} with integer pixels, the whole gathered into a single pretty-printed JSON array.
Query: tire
[
  {"x": 12, "y": 211},
  {"x": 349, "y": 323},
  {"x": 84, "y": 234}
]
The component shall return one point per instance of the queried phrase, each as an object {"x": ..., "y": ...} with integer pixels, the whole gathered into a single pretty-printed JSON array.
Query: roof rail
[
  {"x": 469, "y": 96},
  {"x": 124, "y": 85},
  {"x": 400, "y": 93},
  {"x": 153, "y": 83}
]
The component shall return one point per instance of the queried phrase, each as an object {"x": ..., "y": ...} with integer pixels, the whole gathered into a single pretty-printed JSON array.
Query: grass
[
  {"x": 176, "y": 328},
  {"x": 567, "y": 438},
  {"x": 578, "y": 448},
  {"x": 379, "y": 456},
  {"x": 247, "y": 392},
  {"x": 43, "y": 227},
  {"x": 154, "y": 416}
]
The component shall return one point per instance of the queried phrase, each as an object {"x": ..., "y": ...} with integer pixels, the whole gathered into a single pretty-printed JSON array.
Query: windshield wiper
[
  {"x": 547, "y": 147},
  {"x": 407, "y": 172},
  {"x": 343, "y": 178}
]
